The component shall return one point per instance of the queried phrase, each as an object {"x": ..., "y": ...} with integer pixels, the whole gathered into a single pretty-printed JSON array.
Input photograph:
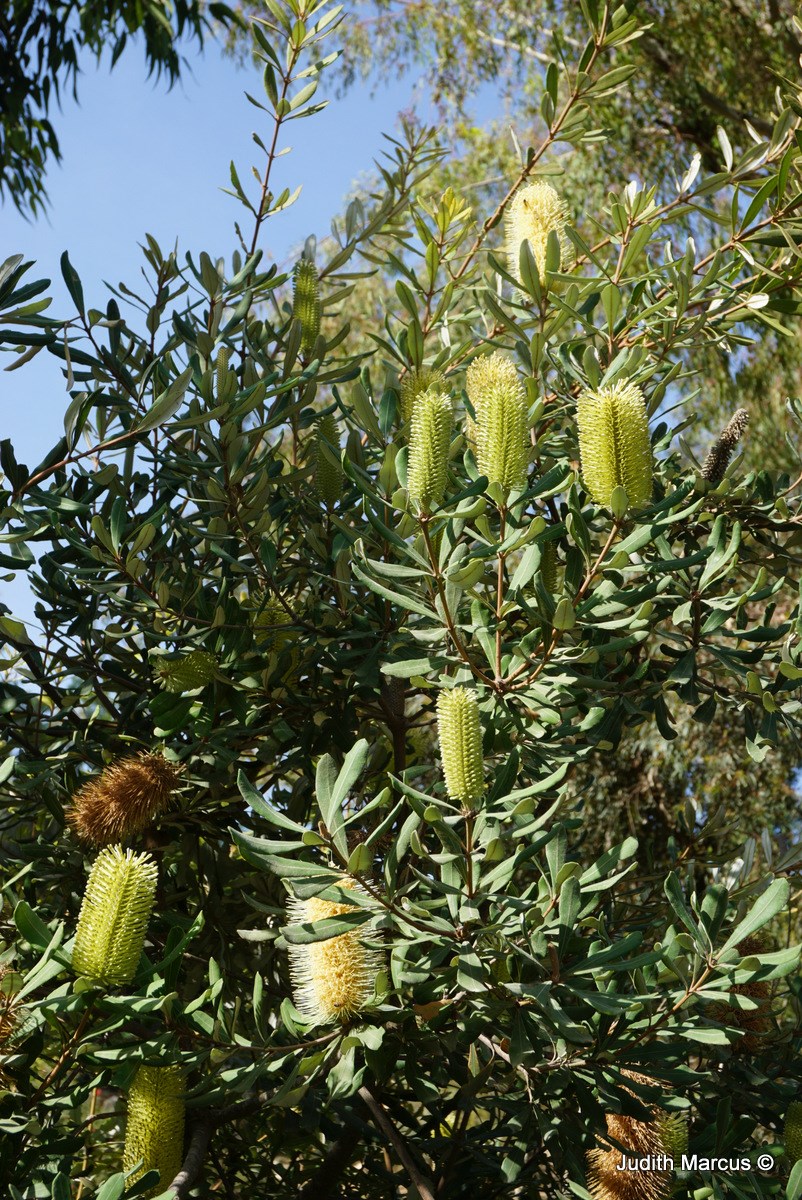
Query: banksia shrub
[
  {"x": 306, "y": 302},
  {"x": 429, "y": 442},
  {"x": 114, "y": 917},
  {"x": 185, "y": 674},
  {"x": 535, "y": 211},
  {"x": 124, "y": 799},
  {"x": 414, "y": 384},
  {"x": 665, "y": 1135},
  {"x": 328, "y": 476},
  {"x": 460, "y": 735},
  {"x": 720, "y": 453},
  {"x": 154, "y": 1131},
  {"x": 792, "y": 1132},
  {"x": 614, "y": 446},
  {"x": 499, "y": 432},
  {"x": 334, "y": 979}
]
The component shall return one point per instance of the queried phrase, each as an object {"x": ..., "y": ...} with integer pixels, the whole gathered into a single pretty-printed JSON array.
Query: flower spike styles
[
  {"x": 460, "y": 735},
  {"x": 154, "y": 1131},
  {"x": 614, "y": 446},
  {"x": 535, "y": 211},
  {"x": 114, "y": 917},
  {"x": 792, "y": 1132},
  {"x": 429, "y": 443},
  {"x": 328, "y": 476},
  {"x": 499, "y": 432},
  {"x": 193, "y": 670},
  {"x": 334, "y": 979},
  {"x": 665, "y": 1135},
  {"x": 306, "y": 302},
  {"x": 124, "y": 800},
  {"x": 720, "y": 453},
  {"x": 414, "y": 384}
]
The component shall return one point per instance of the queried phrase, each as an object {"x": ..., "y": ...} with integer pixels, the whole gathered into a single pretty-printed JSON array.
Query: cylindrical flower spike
[
  {"x": 429, "y": 443},
  {"x": 721, "y": 451},
  {"x": 414, "y": 384},
  {"x": 272, "y": 624},
  {"x": 792, "y": 1133},
  {"x": 114, "y": 917},
  {"x": 328, "y": 474},
  {"x": 535, "y": 211},
  {"x": 187, "y": 673},
  {"x": 334, "y": 979},
  {"x": 306, "y": 302},
  {"x": 124, "y": 800},
  {"x": 499, "y": 432},
  {"x": 460, "y": 734},
  {"x": 614, "y": 445},
  {"x": 666, "y": 1134},
  {"x": 548, "y": 566},
  {"x": 154, "y": 1131}
]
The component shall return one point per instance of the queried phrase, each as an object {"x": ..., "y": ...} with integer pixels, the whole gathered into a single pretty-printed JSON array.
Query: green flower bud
[
  {"x": 328, "y": 475},
  {"x": 193, "y": 670},
  {"x": 306, "y": 302},
  {"x": 414, "y": 384},
  {"x": 460, "y": 734},
  {"x": 499, "y": 432},
  {"x": 272, "y": 624},
  {"x": 548, "y": 566},
  {"x": 792, "y": 1133},
  {"x": 154, "y": 1131},
  {"x": 114, "y": 916},
  {"x": 429, "y": 443},
  {"x": 535, "y": 211},
  {"x": 614, "y": 445}
]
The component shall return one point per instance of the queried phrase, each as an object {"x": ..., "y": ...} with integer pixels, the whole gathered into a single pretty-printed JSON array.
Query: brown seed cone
[
  {"x": 754, "y": 1022},
  {"x": 640, "y": 1138},
  {"x": 124, "y": 800}
]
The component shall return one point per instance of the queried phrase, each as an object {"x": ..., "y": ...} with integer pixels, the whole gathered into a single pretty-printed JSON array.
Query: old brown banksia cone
[
  {"x": 664, "y": 1134},
  {"x": 124, "y": 799}
]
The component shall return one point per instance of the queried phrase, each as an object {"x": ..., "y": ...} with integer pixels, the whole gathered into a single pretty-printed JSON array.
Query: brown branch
[
  {"x": 389, "y": 1130},
  {"x": 201, "y": 1136},
  {"x": 327, "y": 1176}
]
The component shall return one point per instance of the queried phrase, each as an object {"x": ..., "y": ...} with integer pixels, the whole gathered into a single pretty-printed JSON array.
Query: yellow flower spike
[
  {"x": 614, "y": 445},
  {"x": 334, "y": 979},
  {"x": 328, "y": 477},
  {"x": 535, "y": 211},
  {"x": 499, "y": 433},
  {"x": 306, "y": 302},
  {"x": 429, "y": 443},
  {"x": 114, "y": 917},
  {"x": 414, "y": 384},
  {"x": 124, "y": 800},
  {"x": 185, "y": 674},
  {"x": 792, "y": 1133},
  {"x": 666, "y": 1134},
  {"x": 154, "y": 1131},
  {"x": 460, "y": 735}
]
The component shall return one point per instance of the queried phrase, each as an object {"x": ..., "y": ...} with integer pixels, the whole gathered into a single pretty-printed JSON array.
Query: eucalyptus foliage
[{"x": 181, "y": 514}]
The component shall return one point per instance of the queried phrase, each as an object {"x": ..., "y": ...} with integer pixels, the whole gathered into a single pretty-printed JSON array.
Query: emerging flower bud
[
  {"x": 185, "y": 674},
  {"x": 534, "y": 212},
  {"x": 429, "y": 443},
  {"x": 114, "y": 917},
  {"x": 460, "y": 734},
  {"x": 334, "y": 979},
  {"x": 306, "y": 302},
  {"x": 792, "y": 1133},
  {"x": 414, "y": 384},
  {"x": 614, "y": 445},
  {"x": 328, "y": 474},
  {"x": 154, "y": 1131},
  {"x": 499, "y": 432},
  {"x": 548, "y": 566},
  {"x": 124, "y": 800},
  {"x": 721, "y": 451}
]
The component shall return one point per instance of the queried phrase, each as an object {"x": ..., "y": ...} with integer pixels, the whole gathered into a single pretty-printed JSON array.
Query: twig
[
  {"x": 201, "y": 1135},
  {"x": 326, "y": 1177},
  {"x": 399, "y": 1145}
]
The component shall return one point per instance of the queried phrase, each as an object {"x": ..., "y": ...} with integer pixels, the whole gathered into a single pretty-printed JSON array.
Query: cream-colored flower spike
[
  {"x": 460, "y": 735},
  {"x": 499, "y": 433},
  {"x": 414, "y": 384},
  {"x": 114, "y": 916},
  {"x": 614, "y": 445},
  {"x": 154, "y": 1131},
  {"x": 534, "y": 212},
  {"x": 334, "y": 979},
  {"x": 429, "y": 444}
]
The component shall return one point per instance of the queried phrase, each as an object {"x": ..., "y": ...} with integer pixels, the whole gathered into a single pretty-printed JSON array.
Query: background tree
[{"x": 328, "y": 643}]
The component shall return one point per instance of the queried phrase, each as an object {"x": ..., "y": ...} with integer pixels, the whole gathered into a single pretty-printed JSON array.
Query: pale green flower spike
[
  {"x": 548, "y": 566},
  {"x": 535, "y": 211},
  {"x": 614, "y": 445},
  {"x": 429, "y": 442},
  {"x": 154, "y": 1132},
  {"x": 460, "y": 735},
  {"x": 306, "y": 302},
  {"x": 328, "y": 475},
  {"x": 194, "y": 670},
  {"x": 792, "y": 1133},
  {"x": 673, "y": 1133},
  {"x": 414, "y": 384},
  {"x": 114, "y": 916},
  {"x": 499, "y": 433}
]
